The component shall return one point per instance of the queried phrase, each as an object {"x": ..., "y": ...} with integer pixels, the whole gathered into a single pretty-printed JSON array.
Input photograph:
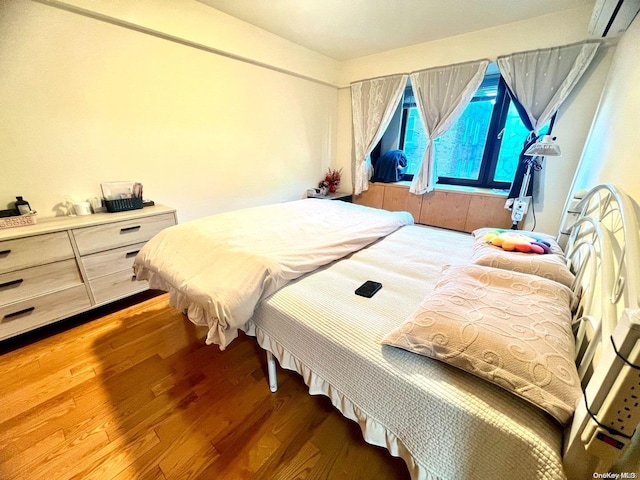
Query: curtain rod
[
  {"x": 179, "y": 40},
  {"x": 604, "y": 42},
  {"x": 600, "y": 42},
  {"x": 423, "y": 70}
]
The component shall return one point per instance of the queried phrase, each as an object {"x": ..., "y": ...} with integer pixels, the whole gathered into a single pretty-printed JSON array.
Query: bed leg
[{"x": 271, "y": 369}]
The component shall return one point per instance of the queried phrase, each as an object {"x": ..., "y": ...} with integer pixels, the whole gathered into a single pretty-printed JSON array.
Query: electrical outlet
[
  {"x": 520, "y": 208},
  {"x": 620, "y": 411}
]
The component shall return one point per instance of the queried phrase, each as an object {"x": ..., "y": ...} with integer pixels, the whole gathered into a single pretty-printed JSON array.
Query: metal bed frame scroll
[{"x": 603, "y": 251}]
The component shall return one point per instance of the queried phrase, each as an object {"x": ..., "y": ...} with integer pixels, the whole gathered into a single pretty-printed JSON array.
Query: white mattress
[{"x": 443, "y": 422}]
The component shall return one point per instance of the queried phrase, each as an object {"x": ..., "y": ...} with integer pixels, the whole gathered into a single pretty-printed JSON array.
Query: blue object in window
[{"x": 390, "y": 167}]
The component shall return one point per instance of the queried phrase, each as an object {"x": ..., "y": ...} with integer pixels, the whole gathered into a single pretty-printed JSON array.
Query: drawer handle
[
  {"x": 11, "y": 283},
  {"x": 131, "y": 254},
  {"x": 19, "y": 312},
  {"x": 130, "y": 229},
  {"x": 5, "y": 252}
]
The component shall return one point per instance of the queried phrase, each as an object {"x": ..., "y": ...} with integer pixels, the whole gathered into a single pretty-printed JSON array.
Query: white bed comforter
[{"x": 218, "y": 268}]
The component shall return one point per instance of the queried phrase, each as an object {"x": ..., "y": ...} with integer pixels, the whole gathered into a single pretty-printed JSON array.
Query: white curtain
[
  {"x": 541, "y": 80},
  {"x": 373, "y": 103},
  {"x": 441, "y": 95}
]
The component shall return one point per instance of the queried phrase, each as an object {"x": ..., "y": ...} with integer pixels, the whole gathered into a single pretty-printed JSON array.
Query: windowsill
[
  {"x": 475, "y": 190},
  {"x": 452, "y": 188}
]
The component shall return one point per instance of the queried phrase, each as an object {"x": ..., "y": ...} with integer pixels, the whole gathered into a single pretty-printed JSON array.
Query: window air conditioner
[{"x": 612, "y": 17}]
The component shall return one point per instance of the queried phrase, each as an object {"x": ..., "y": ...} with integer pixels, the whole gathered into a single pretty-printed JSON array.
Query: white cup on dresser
[{"x": 82, "y": 208}]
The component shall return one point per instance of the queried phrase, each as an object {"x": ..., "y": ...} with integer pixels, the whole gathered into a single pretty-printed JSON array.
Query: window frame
[{"x": 492, "y": 147}]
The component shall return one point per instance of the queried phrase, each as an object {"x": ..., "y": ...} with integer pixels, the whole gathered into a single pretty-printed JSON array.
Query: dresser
[{"x": 67, "y": 265}]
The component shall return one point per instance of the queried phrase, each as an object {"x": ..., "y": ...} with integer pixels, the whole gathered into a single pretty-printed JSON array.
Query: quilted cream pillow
[
  {"x": 552, "y": 265},
  {"x": 511, "y": 329}
]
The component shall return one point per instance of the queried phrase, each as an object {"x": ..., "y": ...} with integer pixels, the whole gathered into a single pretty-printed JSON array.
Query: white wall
[
  {"x": 85, "y": 101},
  {"x": 574, "y": 118},
  {"x": 612, "y": 151}
]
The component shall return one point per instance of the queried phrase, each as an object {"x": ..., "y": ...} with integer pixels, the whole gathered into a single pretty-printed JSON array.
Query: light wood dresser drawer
[
  {"x": 116, "y": 285},
  {"x": 36, "y": 250},
  {"x": 30, "y": 282},
  {"x": 118, "y": 234},
  {"x": 62, "y": 266},
  {"x": 26, "y": 315},
  {"x": 111, "y": 261}
]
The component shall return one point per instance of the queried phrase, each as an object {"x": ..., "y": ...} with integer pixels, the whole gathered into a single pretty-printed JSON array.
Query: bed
[{"x": 443, "y": 419}]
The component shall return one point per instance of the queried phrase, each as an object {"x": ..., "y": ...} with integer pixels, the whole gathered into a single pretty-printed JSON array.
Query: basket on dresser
[{"x": 18, "y": 220}]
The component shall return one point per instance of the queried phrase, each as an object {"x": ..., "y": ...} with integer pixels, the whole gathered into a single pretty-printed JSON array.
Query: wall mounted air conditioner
[{"x": 612, "y": 17}]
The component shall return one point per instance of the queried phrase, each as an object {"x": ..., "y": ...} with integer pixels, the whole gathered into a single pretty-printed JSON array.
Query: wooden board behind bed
[{"x": 459, "y": 210}]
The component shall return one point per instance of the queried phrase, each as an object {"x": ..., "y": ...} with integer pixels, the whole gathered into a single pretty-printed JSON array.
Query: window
[{"x": 481, "y": 148}]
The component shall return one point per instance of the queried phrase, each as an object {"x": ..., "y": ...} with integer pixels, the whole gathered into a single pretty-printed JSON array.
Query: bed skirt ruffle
[{"x": 373, "y": 431}]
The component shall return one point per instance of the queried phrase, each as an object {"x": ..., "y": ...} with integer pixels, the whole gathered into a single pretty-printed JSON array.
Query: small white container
[{"x": 82, "y": 208}]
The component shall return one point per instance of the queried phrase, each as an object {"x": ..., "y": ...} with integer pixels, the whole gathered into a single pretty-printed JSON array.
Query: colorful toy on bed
[{"x": 513, "y": 240}]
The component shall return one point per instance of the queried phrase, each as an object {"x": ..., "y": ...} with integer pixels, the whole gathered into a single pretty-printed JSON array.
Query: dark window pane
[{"x": 458, "y": 153}]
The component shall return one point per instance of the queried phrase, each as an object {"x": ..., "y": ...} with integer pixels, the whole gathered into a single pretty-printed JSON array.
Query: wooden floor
[{"x": 136, "y": 394}]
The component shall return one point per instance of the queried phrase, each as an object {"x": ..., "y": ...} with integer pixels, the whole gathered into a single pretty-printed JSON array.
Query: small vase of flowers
[{"x": 330, "y": 182}]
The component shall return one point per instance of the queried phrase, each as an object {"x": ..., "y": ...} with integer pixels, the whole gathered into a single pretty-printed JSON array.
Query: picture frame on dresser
[{"x": 63, "y": 266}]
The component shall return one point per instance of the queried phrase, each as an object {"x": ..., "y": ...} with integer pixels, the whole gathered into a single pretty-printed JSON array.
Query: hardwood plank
[
  {"x": 114, "y": 457},
  {"x": 188, "y": 457},
  {"x": 14, "y": 376},
  {"x": 31, "y": 395},
  {"x": 59, "y": 464},
  {"x": 353, "y": 458},
  {"x": 133, "y": 471},
  {"x": 19, "y": 433},
  {"x": 32, "y": 453},
  {"x": 136, "y": 394},
  {"x": 256, "y": 455},
  {"x": 329, "y": 449},
  {"x": 300, "y": 465}
]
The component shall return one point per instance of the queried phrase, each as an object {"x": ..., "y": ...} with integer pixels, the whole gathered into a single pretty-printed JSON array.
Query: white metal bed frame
[{"x": 604, "y": 252}]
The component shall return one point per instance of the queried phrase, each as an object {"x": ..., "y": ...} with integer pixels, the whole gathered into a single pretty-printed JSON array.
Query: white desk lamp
[{"x": 546, "y": 147}]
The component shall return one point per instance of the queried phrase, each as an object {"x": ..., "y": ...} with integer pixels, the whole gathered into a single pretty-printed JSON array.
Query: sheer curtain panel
[
  {"x": 441, "y": 95},
  {"x": 539, "y": 81},
  {"x": 373, "y": 103}
]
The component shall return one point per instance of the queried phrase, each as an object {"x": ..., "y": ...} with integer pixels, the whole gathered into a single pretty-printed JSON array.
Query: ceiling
[{"x": 346, "y": 29}]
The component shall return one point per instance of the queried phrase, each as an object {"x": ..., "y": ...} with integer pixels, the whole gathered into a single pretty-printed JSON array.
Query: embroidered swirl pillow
[
  {"x": 552, "y": 265},
  {"x": 509, "y": 328}
]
